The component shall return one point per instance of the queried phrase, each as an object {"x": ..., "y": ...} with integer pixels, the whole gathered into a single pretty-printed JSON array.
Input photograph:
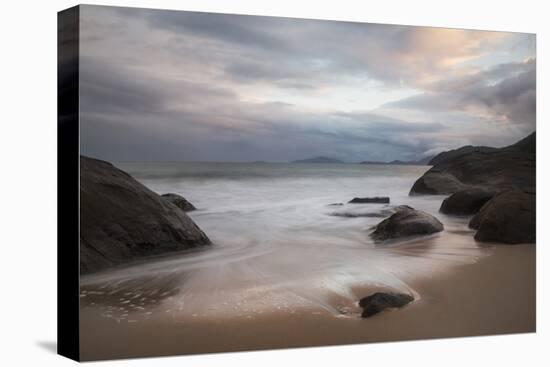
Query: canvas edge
[{"x": 68, "y": 269}]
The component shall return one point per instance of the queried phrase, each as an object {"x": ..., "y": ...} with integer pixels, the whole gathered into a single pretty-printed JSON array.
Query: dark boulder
[
  {"x": 121, "y": 220},
  {"x": 380, "y": 301},
  {"x": 405, "y": 222},
  {"x": 435, "y": 182},
  {"x": 509, "y": 217},
  {"x": 371, "y": 200},
  {"x": 180, "y": 202},
  {"x": 511, "y": 167},
  {"x": 466, "y": 202},
  {"x": 443, "y": 156}
]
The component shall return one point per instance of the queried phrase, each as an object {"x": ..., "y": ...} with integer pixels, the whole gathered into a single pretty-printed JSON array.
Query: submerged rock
[
  {"x": 466, "y": 202},
  {"x": 509, "y": 217},
  {"x": 179, "y": 201},
  {"x": 371, "y": 200},
  {"x": 405, "y": 222},
  {"x": 121, "y": 220},
  {"x": 380, "y": 301}
]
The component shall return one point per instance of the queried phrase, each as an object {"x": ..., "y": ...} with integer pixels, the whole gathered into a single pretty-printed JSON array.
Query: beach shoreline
[{"x": 494, "y": 295}]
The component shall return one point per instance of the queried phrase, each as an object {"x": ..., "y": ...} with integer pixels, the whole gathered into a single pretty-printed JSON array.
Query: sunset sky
[{"x": 181, "y": 86}]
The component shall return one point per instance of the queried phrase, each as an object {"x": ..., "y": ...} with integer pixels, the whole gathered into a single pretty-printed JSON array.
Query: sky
[{"x": 158, "y": 85}]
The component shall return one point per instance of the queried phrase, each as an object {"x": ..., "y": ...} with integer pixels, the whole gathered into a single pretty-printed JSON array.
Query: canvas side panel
[{"x": 68, "y": 183}]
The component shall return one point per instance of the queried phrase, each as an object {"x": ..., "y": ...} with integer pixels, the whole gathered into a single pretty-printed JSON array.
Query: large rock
[
  {"x": 435, "y": 182},
  {"x": 122, "y": 221},
  {"x": 512, "y": 167},
  {"x": 443, "y": 156},
  {"x": 466, "y": 202},
  {"x": 509, "y": 217},
  {"x": 380, "y": 301},
  {"x": 179, "y": 201},
  {"x": 406, "y": 222}
]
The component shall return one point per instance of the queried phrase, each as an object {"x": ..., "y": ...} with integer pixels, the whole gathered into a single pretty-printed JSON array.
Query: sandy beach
[{"x": 495, "y": 295}]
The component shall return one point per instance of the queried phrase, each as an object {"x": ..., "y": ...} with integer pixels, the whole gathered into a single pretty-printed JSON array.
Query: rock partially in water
[
  {"x": 179, "y": 201},
  {"x": 336, "y": 204},
  {"x": 509, "y": 217},
  {"x": 121, "y": 220},
  {"x": 380, "y": 301},
  {"x": 405, "y": 222},
  {"x": 466, "y": 202},
  {"x": 370, "y": 200}
]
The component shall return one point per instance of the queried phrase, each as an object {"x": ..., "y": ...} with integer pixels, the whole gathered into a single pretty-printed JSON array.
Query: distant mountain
[
  {"x": 420, "y": 162},
  {"x": 318, "y": 160}
]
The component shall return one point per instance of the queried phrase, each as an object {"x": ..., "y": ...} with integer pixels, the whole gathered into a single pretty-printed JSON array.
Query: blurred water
[{"x": 278, "y": 244}]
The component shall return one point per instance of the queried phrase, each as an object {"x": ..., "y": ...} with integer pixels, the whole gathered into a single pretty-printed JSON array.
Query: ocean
[{"x": 278, "y": 244}]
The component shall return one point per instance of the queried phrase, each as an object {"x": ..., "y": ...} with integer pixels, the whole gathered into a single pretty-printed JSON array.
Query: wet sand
[{"x": 495, "y": 295}]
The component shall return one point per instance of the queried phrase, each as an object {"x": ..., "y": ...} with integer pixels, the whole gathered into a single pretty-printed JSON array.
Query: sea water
[{"x": 278, "y": 243}]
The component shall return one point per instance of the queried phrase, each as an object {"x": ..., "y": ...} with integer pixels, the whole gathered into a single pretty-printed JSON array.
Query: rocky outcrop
[
  {"x": 437, "y": 182},
  {"x": 380, "y": 301},
  {"x": 406, "y": 222},
  {"x": 512, "y": 167},
  {"x": 179, "y": 201},
  {"x": 443, "y": 156},
  {"x": 121, "y": 220},
  {"x": 371, "y": 200},
  {"x": 466, "y": 202},
  {"x": 509, "y": 217}
]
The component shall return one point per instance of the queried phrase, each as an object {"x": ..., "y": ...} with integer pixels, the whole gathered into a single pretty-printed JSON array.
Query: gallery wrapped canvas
[{"x": 235, "y": 182}]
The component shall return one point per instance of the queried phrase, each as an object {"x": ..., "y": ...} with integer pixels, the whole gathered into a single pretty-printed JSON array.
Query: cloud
[
  {"x": 503, "y": 94},
  {"x": 165, "y": 85},
  {"x": 267, "y": 48}
]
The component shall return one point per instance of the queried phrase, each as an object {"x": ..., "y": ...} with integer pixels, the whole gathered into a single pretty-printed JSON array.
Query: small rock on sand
[{"x": 380, "y": 301}]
